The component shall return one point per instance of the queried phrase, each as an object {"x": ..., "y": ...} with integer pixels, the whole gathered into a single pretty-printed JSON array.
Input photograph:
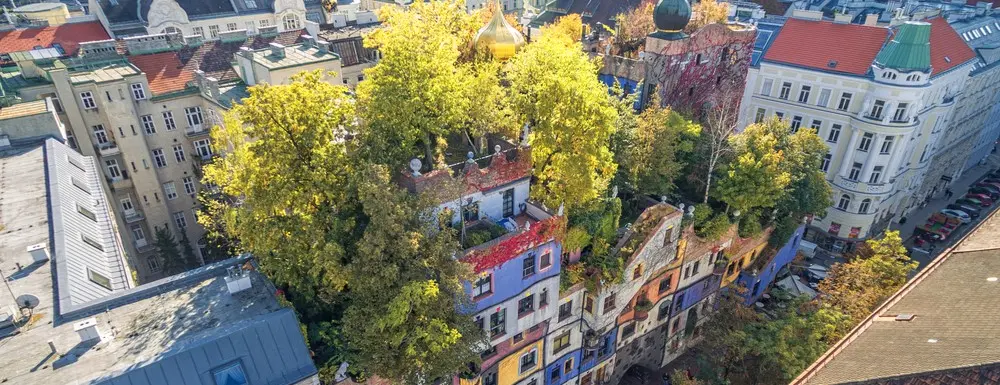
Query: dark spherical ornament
[{"x": 671, "y": 15}]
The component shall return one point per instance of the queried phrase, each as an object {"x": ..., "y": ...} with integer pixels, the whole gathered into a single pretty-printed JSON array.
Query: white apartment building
[
  {"x": 880, "y": 97},
  {"x": 208, "y": 18},
  {"x": 145, "y": 116}
]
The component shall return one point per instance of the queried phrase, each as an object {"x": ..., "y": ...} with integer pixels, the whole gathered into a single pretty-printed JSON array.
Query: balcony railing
[
  {"x": 142, "y": 245},
  {"x": 196, "y": 131},
  {"x": 108, "y": 149},
  {"x": 133, "y": 216},
  {"x": 869, "y": 188}
]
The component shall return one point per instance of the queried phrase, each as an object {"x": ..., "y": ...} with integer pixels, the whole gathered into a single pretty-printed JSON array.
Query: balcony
[
  {"x": 108, "y": 149},
  {"x": 142, "y": 245},
  {"x": 120, "y": 182},
  {"x": 874, "y": 188},
  {"x": 490, "y": 244},
  {"x": 196, "y": 131},
  {"x": 133, "y": 216}
]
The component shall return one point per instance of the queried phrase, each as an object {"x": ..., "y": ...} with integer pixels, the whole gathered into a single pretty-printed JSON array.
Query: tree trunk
[
  {"x": 428, "y": 152},
  {"x": 708, "y": 180}
]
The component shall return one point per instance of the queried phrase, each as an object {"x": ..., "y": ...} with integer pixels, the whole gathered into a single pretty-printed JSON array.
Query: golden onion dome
[{"x": 498, "y": 36}]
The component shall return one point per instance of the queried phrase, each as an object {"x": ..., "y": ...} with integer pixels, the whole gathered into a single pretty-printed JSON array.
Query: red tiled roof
[
  {"x": 814, "y": 44},
  {"x": 69, "y": 36},
  {"x": 170, "y": 71},
  {"x": 946, "y": 43}
]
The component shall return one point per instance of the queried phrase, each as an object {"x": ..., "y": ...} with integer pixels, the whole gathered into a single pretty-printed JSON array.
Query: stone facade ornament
[{"x": 163, "y": 12}]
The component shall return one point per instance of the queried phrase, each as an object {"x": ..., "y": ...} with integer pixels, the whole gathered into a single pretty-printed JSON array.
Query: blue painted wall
[
  {"x": 508, "y": 281},
  {"x": 628, "y": 85},
  {"x": 695, "y": 292},
  {"x": 766, "y": 276},
  {"x": 610, "y": 340},
  {"x": 557, "y": 366}
]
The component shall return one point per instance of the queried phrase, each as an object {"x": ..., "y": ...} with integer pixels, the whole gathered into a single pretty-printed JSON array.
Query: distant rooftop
[
  {"x": 293, "y": 56},
  {"x": 66, "y": 37},
  {"x": 953, "y": 336},
  {"x": 24, "y": 109}
]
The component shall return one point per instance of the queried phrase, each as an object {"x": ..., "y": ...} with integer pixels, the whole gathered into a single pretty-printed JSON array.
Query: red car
[{"x": 985, "y": 199}]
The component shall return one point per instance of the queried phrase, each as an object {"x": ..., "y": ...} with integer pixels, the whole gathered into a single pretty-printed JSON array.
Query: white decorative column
[
  {"x": 876, "y": 145},
  {"x": 897, "y": 155},
  {"x": 848, "y": 158}
]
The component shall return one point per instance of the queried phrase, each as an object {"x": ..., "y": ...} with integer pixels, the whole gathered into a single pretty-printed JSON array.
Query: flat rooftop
[
  {"x": 954, "y": 332},
  {"x": 297, "y": 55}
]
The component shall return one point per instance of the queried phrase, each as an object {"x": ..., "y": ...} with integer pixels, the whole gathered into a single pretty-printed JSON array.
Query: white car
[{"x": 961, "y": 215}]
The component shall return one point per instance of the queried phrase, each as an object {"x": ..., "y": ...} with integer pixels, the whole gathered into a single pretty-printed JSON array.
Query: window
[
  {"x": 99, "y": 279},
  {"x": 834, "y": 135},
  {"x": 180, "y": 220},
  {"x": 845, "y": 101},
  {"x": 87, "y": 98},
  {"x": 71, "y": 140},
  {"x": 113, "y": 171},
  {"x": 766, "y": 89},
  {"x": 628, "y": 330},
  {"x": 786, "y": 88},
  {"x": 664, "y": 284},
  {"x": 759, "y": 117},
  {"x": 147, "y": 124},
  {"x": 489, "y": 352},
  {"x": 193, "y": 117},
  {"x": 231, "y": 27},
  {"x": 866, "y": 141},
  {"x": 189, "y": 185},
  {"x": 138, "y": 92},
  {"x": 169, "y": 190},
  {"x": 528, "y": 361},
  {"x": 824, "y": 97},
  {"x": 528, "y": 266},
  {"x": 668, "y": 236},
  {"x": 264, "y": 23},
  {"x": 179, "y": 153},
  {"x": 127, "y": 205},
  {"x": 231, "y": 374},
  {"x": 490, "y": 378},
  {"x": 159, "y": 159},
  {"x": 168, "y": 121},
  {"x": 877, "y": 109},
  {"x": 637, "y": 272},
  {"x": 887, "y": 145},
  {"x": 498, "y": 323},
  {"x": 543, "y": 298},
  {"x": 213, "y": 31},
  {"x": 568, "y": 366},
  {"x": 508, "y": 203},
  {"x": 93, "y": 243},
  {"x": 796, "y": 123},
  {"x": 664, "y": 311},
  {"x": 816, "y": 124},
  {"x": 565, "y": 310},
  {"x": 587, "y": 379},
  {"x": 694, "y": 268},
  {"x": 545, "y": 261},
  {"x": 251, "y": 28},
  {"x": 825, "y": 163},
  {"x": 199, "y": 31},
  {"x": 804, "y": 94},
  {"x": 526, "y": 305},
  {"x": 561, "y": 342},
  {"x": 609, "y": 303},
  {"x": 251, "y": 4},
  {"x": 86, "y": 213},
  {"x": 483, "y": 286},
  {"x": 100, "y": 135},
  {"x": 588, "y": 304},
  {"x": 900, "y": 114},
  {"x": 845, "y": 202},
  {"x": 697, "y": 59},
  {"x": 154, "y": 264},
  {"x": 855, "y": 172},
  {"x": 291, "y": 22},
  {"x": 876, "y": 174},
  {"x": 864, "y": 206},
  {"x": 780, "y": 115},
  {"x": 204, "y": 148}
]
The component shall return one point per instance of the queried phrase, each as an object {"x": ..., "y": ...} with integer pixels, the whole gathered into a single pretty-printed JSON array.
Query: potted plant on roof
[{"x": 642, "y": 307}]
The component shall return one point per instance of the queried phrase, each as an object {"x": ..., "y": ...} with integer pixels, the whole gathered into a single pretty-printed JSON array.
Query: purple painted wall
[
  {"x": 508, "y": 280},
  {"x": 757, "y": 284},
  {"x": 694, "y": 293}
]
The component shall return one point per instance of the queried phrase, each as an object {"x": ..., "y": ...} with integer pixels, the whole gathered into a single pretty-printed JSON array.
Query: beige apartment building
[{"x": 143, "y": 107}]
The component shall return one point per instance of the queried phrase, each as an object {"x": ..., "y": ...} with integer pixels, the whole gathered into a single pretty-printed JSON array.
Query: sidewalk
[{"x": 919, "y": 216}]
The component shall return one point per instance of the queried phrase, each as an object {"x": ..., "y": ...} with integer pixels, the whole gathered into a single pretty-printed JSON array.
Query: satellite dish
[
  {"x": 415, "y": 165},
  {"x": 27, "y": 301}
]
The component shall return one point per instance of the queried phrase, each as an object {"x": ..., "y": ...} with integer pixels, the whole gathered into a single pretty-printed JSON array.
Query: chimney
[
  {"x": 4, "y": 141},
  {"x": 194, "y": 40},
  {"x": 237, "y": 280},
  {"x": 277, "y": 50},
  {"x": 87, "y": 330},
  {"x": 842, "y": 18},
  {"x": 212, "y": 85},
  {"x": 871, "y": 19},
  {"x": 323, "y": 46},
  {"x": 308, "y": 41},
  {"x": 39, "y": 252},
  {"x": 807, "y": 15}
]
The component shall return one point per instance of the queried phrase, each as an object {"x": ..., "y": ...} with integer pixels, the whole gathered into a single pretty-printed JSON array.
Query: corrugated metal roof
[{"x": 909, "y": 49}]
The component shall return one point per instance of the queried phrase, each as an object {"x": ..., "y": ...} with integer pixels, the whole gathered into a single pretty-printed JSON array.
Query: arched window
[
  {"x": 171, "y": 30},
  {"x": 865, "y": 205},
  {"x": 292, "y": 22},
  {"x": 845, "y": 202}
]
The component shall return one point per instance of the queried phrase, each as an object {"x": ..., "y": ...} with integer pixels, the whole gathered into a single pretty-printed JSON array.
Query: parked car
[
  {"x": 995, "y": 187},
  {"x": 972, "y": 211},
  {"x": 985, "y": 191},
  {"x": 961, "y": 215},
  {"x": 989, "y": 183},
  {"x": 984, "y": 199},
  {"x": 971, "y": 202},
  {"x": 991, "y": 180}
]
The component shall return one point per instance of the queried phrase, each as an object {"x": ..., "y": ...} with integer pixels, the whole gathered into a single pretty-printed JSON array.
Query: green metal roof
[{"x": 909, "y": 49}]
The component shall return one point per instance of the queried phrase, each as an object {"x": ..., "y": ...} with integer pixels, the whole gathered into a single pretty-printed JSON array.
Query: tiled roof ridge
[{"x": 834, "y": 350}]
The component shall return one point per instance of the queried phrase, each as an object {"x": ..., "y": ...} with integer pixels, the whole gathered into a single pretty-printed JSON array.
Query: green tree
[
  {"x": 554, "y": 88},
  {"x": 167, "y": 252},
  {"x": 420, "y": 93},
  {"x": 757, "y": 177},
  {"x": 406, "y": 289},
  {"x": 188, "y": 255},
  {"x": 877, "y": 270},
  {"x": 651, "y": 151},
  {"x": 808, "y": 191}
]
